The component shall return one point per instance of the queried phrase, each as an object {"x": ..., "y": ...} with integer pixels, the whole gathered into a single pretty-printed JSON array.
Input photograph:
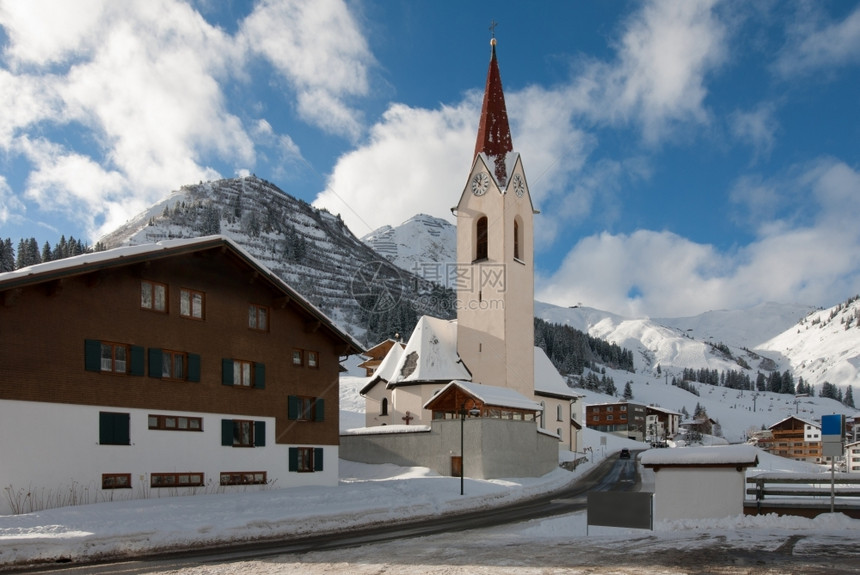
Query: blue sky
[{"x": 686, "y": 156}]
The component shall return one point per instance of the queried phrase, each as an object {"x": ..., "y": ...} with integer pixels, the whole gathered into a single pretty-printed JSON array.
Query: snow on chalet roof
[
  {"x": 86, "y": 263},
  {"x": 491, "y": 395},
  {"x": 430, "y": 354},
  {"x": 691, "y": 456},
  {"x": 800, "y": 419},
  {"x": 548, "y": 381}
]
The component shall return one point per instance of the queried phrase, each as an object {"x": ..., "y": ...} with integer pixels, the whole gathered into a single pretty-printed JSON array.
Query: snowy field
[{"x": 371, "y": 494}]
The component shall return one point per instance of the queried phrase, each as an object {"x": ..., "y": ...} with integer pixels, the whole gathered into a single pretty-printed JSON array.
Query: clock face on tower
[
  {"x": 480, "y": 183},
  {"x": 519, "y": 185}
]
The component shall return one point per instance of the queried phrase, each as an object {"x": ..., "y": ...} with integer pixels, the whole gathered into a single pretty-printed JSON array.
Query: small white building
[{"x": 699, "y": 482}]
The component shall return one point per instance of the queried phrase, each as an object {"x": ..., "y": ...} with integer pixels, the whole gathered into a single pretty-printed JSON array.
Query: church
[{"x": 481, "y": 369}]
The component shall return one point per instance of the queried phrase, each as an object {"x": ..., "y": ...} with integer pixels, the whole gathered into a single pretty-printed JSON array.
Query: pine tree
[
  {"x": 849, "y": 397},
  {"x": 46, "y": 252},
  {"x": 628, "y": 391},
  {"x": 7, "y": 256}
]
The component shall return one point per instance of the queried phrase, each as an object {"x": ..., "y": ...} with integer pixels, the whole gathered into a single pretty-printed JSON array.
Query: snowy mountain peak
[{"x": 419, "y": 245}]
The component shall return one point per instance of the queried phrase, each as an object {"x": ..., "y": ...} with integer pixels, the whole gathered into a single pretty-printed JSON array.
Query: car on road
[{"x": 625, "y": 454}]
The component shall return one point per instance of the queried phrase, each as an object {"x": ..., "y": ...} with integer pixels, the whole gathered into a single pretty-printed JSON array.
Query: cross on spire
[{"x": 493, "y": 25}]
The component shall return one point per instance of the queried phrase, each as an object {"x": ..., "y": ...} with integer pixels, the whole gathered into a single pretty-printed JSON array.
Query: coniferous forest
[{"x": 29, "y": 253}]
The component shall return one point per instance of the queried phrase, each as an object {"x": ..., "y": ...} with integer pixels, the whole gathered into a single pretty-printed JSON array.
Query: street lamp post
[{"x": 473, "y": 412}]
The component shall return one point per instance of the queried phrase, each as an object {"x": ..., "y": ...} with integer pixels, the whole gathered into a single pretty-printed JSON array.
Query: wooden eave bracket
[
  {"x": 283, "y": 301},
  {"x": 312, "y": 325}
]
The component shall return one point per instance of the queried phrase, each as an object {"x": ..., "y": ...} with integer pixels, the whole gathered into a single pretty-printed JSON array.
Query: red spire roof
[{"x": 494, "y": 133}]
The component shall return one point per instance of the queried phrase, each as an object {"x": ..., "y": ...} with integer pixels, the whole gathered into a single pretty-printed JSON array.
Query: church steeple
[{"x": 494, "y": 133}]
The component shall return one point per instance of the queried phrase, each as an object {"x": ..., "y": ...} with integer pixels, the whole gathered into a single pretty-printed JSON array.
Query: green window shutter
[
  {"x": 227, "y": 432},
  {"x": 227, "y": 371},
  {"x": 292, "y": 407},
  {"x": 318, "y": 459},
  {"x": 138, "y": 360},
  {"x": 105, "y": 428},
  {"x": 319, "y": 409},
  {"x": 193, "y": 367},
  {"x": 293, "y": 459},
  {"x": 260, "y": 375},
  {"x": 113, "y": 428},
  {"x": 155, "y": 366},
  {"x": 92, "y": 355},
  {"x": 259, "y": 434},
  {"x": 122, "y": 433}
]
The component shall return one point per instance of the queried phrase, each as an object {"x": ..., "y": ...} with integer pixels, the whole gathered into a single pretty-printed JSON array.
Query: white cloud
[
  {"x": 139, "y": 82},
  {"x": 658, "y": 81},
  {"x": 43, "y": 32},
  {"x": 757, "y": 127},
  {"x": 415, "y": 162},
  {"x": 811, "y": 260},
  {"x": 828, "y": 45},
  {"x": 8, "y": 201},
  {"x": 318, "y": 46}
]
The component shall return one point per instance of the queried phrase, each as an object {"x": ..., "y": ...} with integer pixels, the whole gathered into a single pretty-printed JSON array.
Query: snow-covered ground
[{"x": 370, "y": 494}]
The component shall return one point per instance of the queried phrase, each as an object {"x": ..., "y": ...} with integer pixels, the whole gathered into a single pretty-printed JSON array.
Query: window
[
  {"x": 243, "y": 433},
  {"x": 153, "y": 296},
  {"x": 114, "y": 428},
  {"x": 242, "y": 373},
  {"x": 115, "y": 358},
  {"x": 174, "y": 365},
  {"x": 305, "y": 459},
  {"x": 116, "y": 480},
  {"x": 559, "y": 413},
  {"x": 384, "y": 410},
  {"x": 313, "y": 359},
  {"x": 481, "y": 239},
  {"x": 258, "y": 317},
  {"x": 191, "y": 303},
  {"x": 243, "y": 478},
  {"x": 175, "y": 422},
  {"x": 185, "y": 479},
  {"x": 298, "y": 359},
  {"x": 305, "y": 408},
  {"x": 517, "y": 240}
]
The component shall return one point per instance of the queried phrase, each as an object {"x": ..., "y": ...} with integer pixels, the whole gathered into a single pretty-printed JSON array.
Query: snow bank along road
[{"x": 748, "y": 545}]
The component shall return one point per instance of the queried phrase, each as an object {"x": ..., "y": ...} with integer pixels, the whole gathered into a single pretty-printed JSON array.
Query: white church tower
[{"x": 495, "y": 275}]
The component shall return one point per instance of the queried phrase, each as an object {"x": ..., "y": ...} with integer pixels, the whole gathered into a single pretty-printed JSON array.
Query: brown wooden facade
[
  {"x": 790, "y": 439},
  {"x": 622, "y": 418},
  {"x": 51, "y": 319}
]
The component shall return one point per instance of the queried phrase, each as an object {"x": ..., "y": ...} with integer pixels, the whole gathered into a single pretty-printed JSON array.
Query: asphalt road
[{"x": 611, "y": 474}]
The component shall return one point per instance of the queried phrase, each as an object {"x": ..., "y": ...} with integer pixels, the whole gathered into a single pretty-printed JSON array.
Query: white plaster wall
[
  {"x": 52, "y": 450},
  {"x": 690, "y": 493}
]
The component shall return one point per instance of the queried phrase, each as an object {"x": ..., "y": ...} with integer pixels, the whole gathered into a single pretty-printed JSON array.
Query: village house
[
  {"x": 794, "y": 438},
  {"x": 852, "y": 457},
  {"x": 376, "y": 354},
  {"x": 624, "y": 419},
  {"x": 661, "y": 425},
  {"x": 179, "y": 367}
]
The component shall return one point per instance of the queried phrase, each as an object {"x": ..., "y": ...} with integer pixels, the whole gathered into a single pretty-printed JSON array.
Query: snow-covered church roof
[
  {"x": 430, "y": 355},
  {"x": 548, "y": 381}
]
